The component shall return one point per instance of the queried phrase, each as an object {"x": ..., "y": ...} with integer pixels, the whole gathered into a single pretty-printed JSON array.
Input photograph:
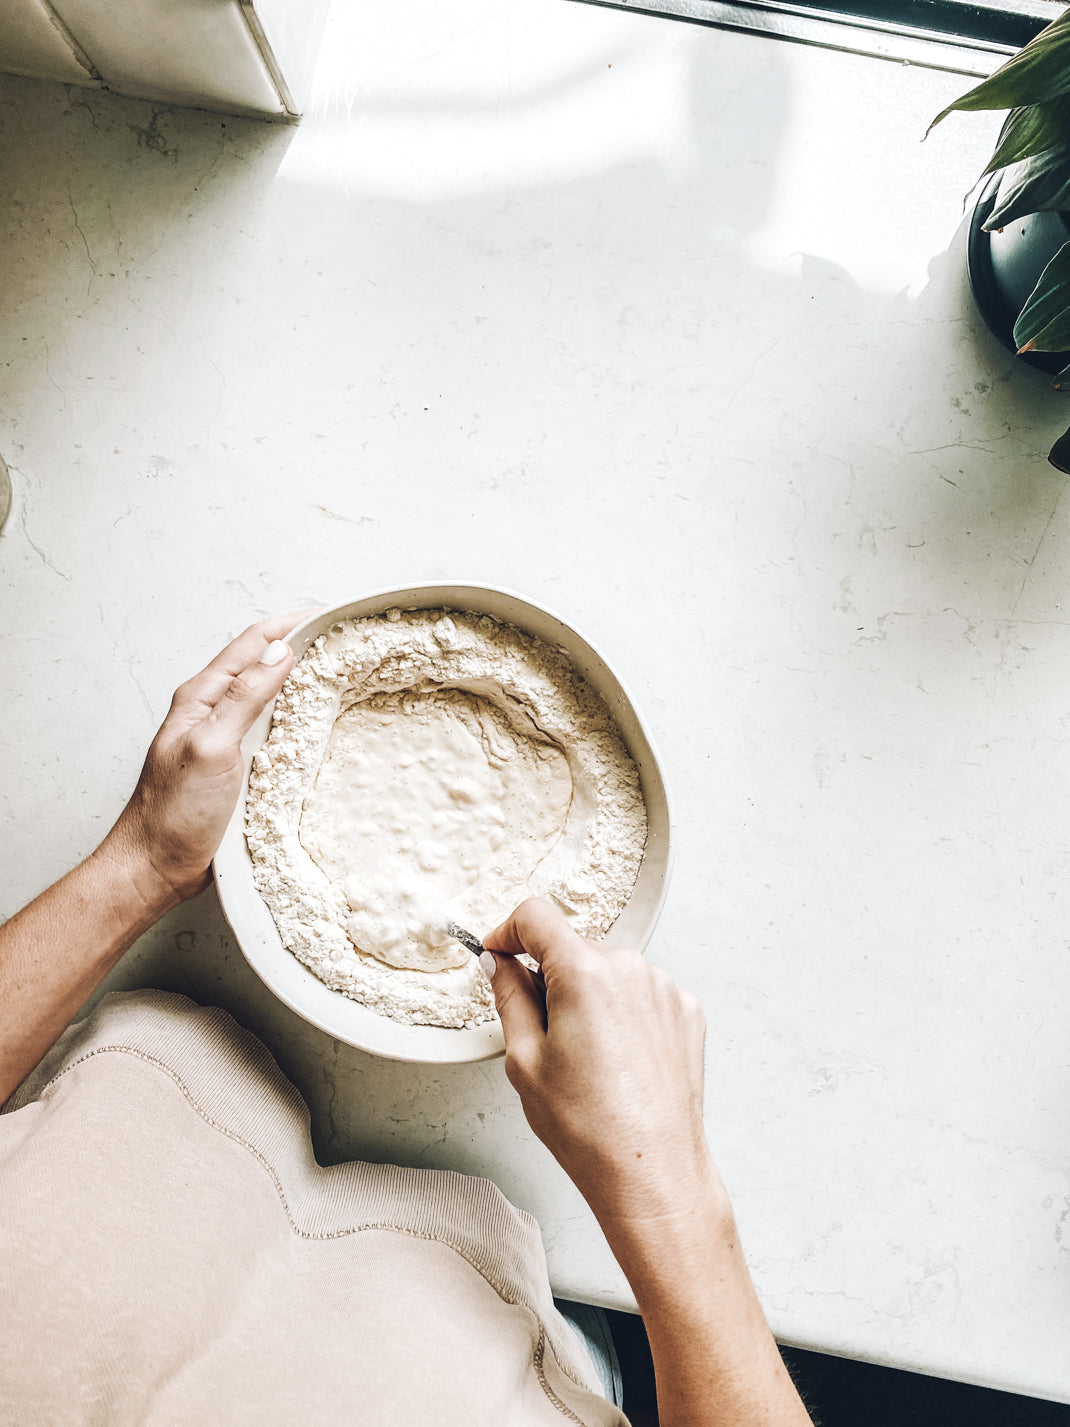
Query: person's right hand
[{"x": 610, "y": 1076}]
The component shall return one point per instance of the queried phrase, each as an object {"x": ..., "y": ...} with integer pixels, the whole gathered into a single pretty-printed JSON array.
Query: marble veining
[{"x": 667, "y": 328}]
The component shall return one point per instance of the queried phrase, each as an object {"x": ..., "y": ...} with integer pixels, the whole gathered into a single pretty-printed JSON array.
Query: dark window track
[{"x": 971, "y": 38}]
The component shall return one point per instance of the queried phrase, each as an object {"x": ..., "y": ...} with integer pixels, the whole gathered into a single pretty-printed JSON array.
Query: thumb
[
  {"x": 541, "y": 930},
  {"x": 519, "y": 1004}
]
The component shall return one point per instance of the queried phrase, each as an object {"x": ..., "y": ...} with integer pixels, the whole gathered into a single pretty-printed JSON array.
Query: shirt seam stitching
[{"x": 232, "y": 1135}]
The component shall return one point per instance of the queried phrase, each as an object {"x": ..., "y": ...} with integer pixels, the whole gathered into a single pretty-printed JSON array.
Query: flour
[{"x": 425, "y": 766}]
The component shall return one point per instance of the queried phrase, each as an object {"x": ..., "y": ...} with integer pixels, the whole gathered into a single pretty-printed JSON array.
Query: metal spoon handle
[{"x": 475, "y": 946}]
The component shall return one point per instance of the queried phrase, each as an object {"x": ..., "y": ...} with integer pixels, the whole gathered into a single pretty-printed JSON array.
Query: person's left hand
[{"x": 175, "y": 820}]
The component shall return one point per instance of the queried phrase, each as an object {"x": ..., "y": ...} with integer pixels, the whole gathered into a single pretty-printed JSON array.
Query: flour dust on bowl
[{"x": 438, "y": 753}]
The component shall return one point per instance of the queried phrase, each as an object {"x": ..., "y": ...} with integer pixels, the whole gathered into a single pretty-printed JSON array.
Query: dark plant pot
[{"x": 1004, "y": 267}]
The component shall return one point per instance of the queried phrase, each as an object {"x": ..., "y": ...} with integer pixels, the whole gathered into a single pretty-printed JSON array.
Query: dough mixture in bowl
[{"x": 430, "y": 766}]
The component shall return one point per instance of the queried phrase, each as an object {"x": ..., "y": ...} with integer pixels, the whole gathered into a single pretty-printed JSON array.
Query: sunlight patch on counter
[{"x": 442, "y": 107}]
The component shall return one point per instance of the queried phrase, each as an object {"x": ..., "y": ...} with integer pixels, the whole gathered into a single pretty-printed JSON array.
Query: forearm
[
  {"x": 608, "y": 1067},
  {"x": 55, "y": 952},
  {"x": 715, "y": 1361}
]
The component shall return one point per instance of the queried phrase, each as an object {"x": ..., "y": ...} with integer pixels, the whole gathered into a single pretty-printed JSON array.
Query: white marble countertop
[{"x": 667, "y": 328}]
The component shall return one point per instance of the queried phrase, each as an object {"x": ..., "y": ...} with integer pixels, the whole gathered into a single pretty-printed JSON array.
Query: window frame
[{"x": 971, "y": 37}]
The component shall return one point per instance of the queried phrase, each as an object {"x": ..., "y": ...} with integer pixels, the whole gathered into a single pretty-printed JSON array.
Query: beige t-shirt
[{"x": 171, "y": 1252}]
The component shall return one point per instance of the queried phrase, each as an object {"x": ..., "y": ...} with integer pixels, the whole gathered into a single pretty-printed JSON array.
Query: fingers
[
  {"x": 213, "y": 682},
  {"x": 248, "y": 692},
  {"x": 252, "y": 642},
  {"x": 541, "y": 930},
  {"x": 520, "y": 1007}
]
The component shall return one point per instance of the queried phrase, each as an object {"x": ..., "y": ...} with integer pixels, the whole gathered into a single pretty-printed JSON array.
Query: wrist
[
  {"x": 665, "y": 1188},
  {"x": 140, "y": 886},
  {"x": 668, "y": 1198},
  {"x": 657, "y": 1231}
]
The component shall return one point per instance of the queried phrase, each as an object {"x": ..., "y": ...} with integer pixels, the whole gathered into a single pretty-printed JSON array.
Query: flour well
[{"x": 430, "y": 766}]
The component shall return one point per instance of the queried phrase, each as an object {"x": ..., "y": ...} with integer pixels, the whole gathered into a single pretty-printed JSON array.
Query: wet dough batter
[{"x": 423, "y": 799}]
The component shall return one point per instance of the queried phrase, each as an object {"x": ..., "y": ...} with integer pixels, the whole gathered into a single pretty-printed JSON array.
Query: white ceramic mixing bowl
[{"x": 345, "y": 1019}]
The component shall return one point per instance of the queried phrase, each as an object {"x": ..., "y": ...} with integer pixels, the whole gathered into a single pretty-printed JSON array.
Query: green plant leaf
[
  {"x": 1044, "y": 322},
  {"x": 1032, "y": 186},
  {"x": 1039, "y": 71},
  {"x": 1059, "y": 455},
  {"x": 1062, "y": 380},
  {"x": 1031, "y": 130}
]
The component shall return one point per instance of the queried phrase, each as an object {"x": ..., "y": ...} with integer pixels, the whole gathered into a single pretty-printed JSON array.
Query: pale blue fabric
[{"x": 591, "y": 1326}]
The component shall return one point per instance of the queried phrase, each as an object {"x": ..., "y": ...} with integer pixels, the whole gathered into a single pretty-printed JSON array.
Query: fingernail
[
  {"x": 275, "y": 653},
  {"x": 489, "y": 965}
]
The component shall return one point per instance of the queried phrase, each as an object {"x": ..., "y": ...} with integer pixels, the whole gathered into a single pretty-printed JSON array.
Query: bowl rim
[{"x": 333, "y": 1012}]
